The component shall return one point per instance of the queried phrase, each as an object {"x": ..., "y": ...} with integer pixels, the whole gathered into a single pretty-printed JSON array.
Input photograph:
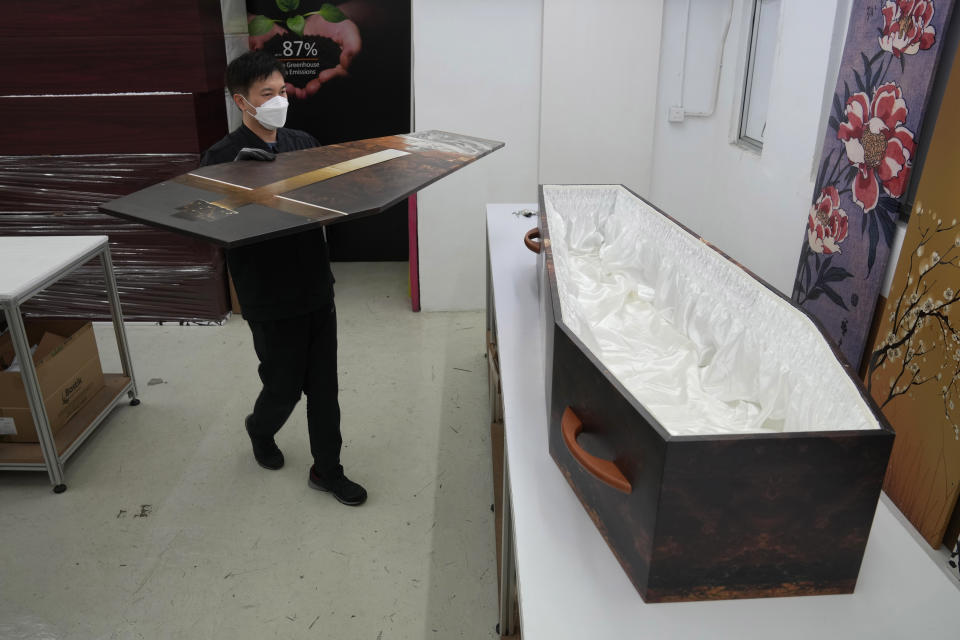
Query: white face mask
[{"x": 272, "y": 113}]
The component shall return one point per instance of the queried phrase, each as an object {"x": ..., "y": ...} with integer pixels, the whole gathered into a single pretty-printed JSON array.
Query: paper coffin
[{"x": 715, "y": 436}]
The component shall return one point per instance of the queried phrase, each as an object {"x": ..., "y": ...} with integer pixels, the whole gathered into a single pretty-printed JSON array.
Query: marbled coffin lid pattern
[
  {"x": 840, "y": 274},
  {"x": 433, "y": 140},
  {"x": 208, "y": 202}
]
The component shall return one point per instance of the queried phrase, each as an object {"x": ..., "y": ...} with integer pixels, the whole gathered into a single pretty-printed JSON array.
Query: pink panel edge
[{"x": 414, "y": 253}]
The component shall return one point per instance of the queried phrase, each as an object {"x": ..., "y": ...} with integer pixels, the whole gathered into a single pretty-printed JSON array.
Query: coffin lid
[{"x": 248, "y": 201}]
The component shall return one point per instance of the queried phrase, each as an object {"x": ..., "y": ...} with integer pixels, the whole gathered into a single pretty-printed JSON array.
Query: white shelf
[{"x": 29, "y": 264}]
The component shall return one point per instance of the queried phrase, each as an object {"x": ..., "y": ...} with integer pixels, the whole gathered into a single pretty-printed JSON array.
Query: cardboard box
[
  {"x": 234, "y": 300},
  {"x": 68, "y": 369}
]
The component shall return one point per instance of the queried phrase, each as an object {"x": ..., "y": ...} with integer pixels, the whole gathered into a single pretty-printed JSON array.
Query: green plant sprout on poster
[{"x": 260, "y": 25}]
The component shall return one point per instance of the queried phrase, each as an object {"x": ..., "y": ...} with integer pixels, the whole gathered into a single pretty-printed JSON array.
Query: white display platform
[
  {"x": 26, "y": 262},
  {"x": 571, "y": 586}
]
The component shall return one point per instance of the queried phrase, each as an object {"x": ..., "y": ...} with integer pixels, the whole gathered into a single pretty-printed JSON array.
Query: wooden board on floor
[{"x": 496, "y": 440}]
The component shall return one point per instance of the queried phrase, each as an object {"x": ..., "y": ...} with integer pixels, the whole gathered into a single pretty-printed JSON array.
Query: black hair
[{"x": 249, "y": 68}]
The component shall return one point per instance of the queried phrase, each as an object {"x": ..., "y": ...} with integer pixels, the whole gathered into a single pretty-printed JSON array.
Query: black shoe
[
  {"x": 265, "y": 450},
  {"x": 342, "y": 488}
]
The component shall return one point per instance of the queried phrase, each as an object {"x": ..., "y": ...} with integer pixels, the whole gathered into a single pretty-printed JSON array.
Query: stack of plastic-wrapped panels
[{"x": 103, "y": 99}]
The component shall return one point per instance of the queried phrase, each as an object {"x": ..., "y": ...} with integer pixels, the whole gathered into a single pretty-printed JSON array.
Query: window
[{"x": 756, "y": 88}]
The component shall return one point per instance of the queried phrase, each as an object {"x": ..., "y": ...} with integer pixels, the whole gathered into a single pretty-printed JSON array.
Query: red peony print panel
[{"x": 889, "y": 59}]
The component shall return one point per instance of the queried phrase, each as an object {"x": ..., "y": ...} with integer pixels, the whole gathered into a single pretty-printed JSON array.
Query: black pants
[{"x": 299, "y": 355}]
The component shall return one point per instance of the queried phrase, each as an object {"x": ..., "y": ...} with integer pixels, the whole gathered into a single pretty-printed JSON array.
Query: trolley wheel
[
  {"x": 135, "y": 402},
  {"x": 60, "y": 488}
]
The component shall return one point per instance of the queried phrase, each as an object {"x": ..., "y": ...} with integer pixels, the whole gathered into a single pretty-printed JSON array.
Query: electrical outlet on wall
[{"x": 675, "y": 114}]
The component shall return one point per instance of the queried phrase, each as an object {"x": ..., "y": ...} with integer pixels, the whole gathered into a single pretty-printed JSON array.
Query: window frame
[{"x": 743, "y": 137}]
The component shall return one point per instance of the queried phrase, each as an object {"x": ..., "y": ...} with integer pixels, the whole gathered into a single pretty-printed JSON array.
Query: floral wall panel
[
  {"x": 913, "y": 371},
  {"x": 885, "y": 76}
]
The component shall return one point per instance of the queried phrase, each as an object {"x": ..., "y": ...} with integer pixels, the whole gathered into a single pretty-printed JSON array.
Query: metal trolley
[{"x": 27, "y": 266}]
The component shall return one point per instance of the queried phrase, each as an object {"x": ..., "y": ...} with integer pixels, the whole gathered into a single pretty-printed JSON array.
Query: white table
[
  {"x": 569, "y": 584},
  {"x": 27, "y": 266}
]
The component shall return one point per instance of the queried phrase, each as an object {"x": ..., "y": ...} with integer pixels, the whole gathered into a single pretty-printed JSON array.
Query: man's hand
[
  {"x": 257, "y": 42},
  {"x": 345, "y": 34},
  {"x": 253, "y": 153}
]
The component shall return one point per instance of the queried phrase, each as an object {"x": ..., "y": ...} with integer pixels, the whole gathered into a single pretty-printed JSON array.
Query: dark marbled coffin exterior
[
  {"x": 366, "y": 191},
  {"x": 711, "y": 517}
]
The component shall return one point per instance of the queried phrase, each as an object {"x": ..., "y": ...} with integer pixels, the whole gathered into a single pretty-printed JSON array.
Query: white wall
[
  {"x": 610, "y": 71},
  {"x": 599, "y": 86},
  {"x": 476, "y": 72},
  {"x": 752, "y": 206},
  {"x": 234, "y": 15}
]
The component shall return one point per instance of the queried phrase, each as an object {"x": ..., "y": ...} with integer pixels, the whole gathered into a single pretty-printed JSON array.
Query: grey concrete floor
[{"x": 169, "y": 529}]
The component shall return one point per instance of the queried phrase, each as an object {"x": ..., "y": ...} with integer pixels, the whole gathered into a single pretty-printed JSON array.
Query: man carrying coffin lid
[{"x": 285, "y": 288}]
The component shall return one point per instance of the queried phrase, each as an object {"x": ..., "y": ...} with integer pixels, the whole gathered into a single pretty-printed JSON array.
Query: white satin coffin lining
[{"x": 700, "y": 343}]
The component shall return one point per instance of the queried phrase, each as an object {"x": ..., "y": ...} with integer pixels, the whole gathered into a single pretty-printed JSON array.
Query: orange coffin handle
[
  {"x": 603, "y": 470},
  {"x": 530, "y": 240}
]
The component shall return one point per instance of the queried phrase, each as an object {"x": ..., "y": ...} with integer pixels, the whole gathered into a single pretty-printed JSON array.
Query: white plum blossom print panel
[{"x": 913, "y": 365}]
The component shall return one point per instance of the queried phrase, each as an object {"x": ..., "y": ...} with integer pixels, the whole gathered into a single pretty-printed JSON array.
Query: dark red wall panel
[
  {"x": 177, "y": 123},
  {"x": 112, "y": 63},
  {"x": 160, "y": 18}
]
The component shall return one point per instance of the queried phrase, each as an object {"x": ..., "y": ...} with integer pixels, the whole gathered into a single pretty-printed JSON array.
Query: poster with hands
[
  {"x": 349, "y": 78},
  {"x": 316, "y": 44}
]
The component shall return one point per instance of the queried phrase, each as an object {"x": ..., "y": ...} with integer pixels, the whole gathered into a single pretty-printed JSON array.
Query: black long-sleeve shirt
[{"x": 283, "y": 277}]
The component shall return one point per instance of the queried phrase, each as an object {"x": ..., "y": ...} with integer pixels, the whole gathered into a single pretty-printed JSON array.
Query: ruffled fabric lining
[{"x": 701, "y": 344}]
